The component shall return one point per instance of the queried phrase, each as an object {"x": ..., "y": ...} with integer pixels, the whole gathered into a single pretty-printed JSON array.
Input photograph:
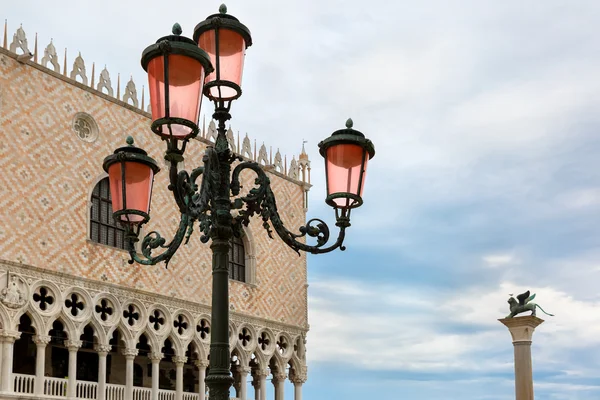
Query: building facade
[{"x": 78, "y": 321}]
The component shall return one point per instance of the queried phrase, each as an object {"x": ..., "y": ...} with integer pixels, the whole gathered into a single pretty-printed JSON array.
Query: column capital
[
  {"x": 298, "y": 379},
  {"x": 129, "y": 353},
  {"x": 260, "y": 373},
  {"x": 10, "y": 336},
  {"x": 155, "y": 357},
  {"x": 179, "y": 360},
  {"x": 240, "y": 369},
  {"x": 73, "y": 345},
  {"x": 279, "y": 377},
  {"x": 521, "y": 328},
  {"x": 41, "y": 340},
  {"x": 201, "y": 363},
  {"x": 102, "y": 348}
]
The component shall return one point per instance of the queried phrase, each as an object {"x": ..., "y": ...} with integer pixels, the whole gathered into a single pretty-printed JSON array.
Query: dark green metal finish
[
  {"x": 176, "y": 44},
  {"x": 210, "y": 202},
  {"x": 349, "y": 136}
]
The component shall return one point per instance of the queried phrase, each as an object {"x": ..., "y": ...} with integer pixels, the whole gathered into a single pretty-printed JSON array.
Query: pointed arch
[
  {"x": 126, "y": 335},
  {"x": 241, "y": 354},
  {"x": 99, "y": 333},
  {"x": 36, "y": 320},
  {"x": 152, "y": 340},
  {"x": 68, "y": 326}
]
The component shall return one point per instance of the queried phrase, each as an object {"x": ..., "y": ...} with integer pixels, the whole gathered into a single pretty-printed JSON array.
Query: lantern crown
[
  {"x": 347, "y": 136},
  {"x": 225, "y": 21},
  {"x": 176, "y": 44}
]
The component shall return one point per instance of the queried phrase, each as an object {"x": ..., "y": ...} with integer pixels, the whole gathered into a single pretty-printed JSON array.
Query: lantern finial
[
  {"x": 223, "y": 9},
  {"x": 176, "y": 29},
  {"x": 129, "y": 140},
  {"x": 349, "y": 123}
]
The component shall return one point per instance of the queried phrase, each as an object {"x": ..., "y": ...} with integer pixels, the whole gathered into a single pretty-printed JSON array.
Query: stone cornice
[{"x": 147, "y": 297}]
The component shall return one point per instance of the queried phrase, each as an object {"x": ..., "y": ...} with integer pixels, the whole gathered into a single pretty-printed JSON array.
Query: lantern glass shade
[
  {"x": 346, "y": 172},
  {"x": 138, "y": 189},
  {"x": 185, "y": 84},
  {"x": 231, "y": 52}
]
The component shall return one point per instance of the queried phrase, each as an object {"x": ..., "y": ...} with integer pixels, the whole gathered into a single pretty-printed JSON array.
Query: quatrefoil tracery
[
  {"x": 157, "y": 320},
  {"x": 131, "y": 315},
  {"x": 43, "y": 298},
  {"x": 74, "y": 304},
  {"x": 180, "y": 323},
  {"x": 203, "y": 328}
]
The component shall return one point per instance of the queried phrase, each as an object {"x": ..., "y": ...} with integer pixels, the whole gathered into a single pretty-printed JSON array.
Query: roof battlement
[{"x": 298, "y": 169}]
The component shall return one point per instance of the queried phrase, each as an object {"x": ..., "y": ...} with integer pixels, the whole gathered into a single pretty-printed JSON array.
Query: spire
[
  {"x": 5, "y": 45},
  {"x": 303, "y": 155},
  {"x": 119, "y": 86},
  {"x": 93, "y": 74},
  {"x": 35, "y": 50},
  {"x": 143, "y": 88},
  {"x": 65, "y": 63}
]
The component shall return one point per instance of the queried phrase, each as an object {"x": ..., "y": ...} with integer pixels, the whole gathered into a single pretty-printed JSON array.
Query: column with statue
[{"x": 521, "y": 330}]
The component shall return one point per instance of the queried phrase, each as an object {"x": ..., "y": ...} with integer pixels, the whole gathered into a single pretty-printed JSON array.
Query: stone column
[
  {"x": 155, "y": 359},
  {"x": 521, "y": 330},
  {"x": 40, "y": 363},
  {"x": 102, "y": 350},
  {"x": 7, "y": 360},
  {"x": 243, "y": 376},
  {"x": 262, "y": 382},
  {"x": 179, "y": 362},
  {"x": 298, "y": 381},
  {"x": 129, "y": 357},
  {"x": 278, "y": 383},
  {"x": 201, "y": 365},
  {"x": 73, "y": 346},
  {"x": 1, "y": 359}
]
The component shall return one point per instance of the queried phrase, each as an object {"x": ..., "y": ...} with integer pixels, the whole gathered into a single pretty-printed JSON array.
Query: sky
[{"x": 485, "y": 182}]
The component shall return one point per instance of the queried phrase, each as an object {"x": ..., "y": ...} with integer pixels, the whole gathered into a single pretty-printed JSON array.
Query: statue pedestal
[{"x": 521, "y": 329}]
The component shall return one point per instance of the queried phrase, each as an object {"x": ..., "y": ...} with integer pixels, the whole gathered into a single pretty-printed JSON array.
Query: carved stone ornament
[
  {"x": 51, "y": 57},
  {"x": 130, "y": 93},
  {"x": 231, "y": 140},
  {"x": 247, "y": 148},
  {"x": 293, "y": 171},
  {"x": 105, "y": 83},
  {"x": 19, "y": 41},
  {"x": 278, "y": 163},
  {"x": 212, "y": 131},
  {"x": 85, "y": 127},
  {"x": 14, "y": 294},
  {"x": 79, "y": 70},
  {"x": 263, "y": 158}
]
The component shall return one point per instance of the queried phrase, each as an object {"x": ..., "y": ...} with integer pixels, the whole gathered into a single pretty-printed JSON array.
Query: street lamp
[{"x": 179, "y": 72}]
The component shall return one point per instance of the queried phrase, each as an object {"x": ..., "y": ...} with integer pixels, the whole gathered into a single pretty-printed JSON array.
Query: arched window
[
  {"x": 103, "y": 227},
  {"x": 237, "y": 259}
]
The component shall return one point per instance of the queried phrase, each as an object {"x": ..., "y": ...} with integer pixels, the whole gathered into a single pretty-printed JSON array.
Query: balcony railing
[{"x": 57, "y": 388}]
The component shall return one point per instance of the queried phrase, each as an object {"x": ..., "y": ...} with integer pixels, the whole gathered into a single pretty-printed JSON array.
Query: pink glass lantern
[
  {"x": 131, "y": 175},
  {"x": 225, "y": 40},
  {"x": 347, "y": 153},
  {"x": 176, "y": 71}
]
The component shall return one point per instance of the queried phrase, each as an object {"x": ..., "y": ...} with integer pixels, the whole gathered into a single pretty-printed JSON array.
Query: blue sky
[{"x": 485, "y": 119}]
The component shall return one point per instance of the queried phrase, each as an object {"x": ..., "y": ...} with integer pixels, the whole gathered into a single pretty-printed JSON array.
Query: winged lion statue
[{"x": 524, "y": 304}]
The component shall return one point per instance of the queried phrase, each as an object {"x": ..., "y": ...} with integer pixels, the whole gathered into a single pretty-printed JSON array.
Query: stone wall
[{"x": 50, "y": 167}]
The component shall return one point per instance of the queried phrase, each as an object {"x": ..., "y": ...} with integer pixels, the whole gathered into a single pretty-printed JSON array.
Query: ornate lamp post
[{"x": 179, "y": 72}]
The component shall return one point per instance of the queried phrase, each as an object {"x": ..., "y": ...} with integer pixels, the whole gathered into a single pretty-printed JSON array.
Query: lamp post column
[
  {"x": 521, "y": 330},
  {"x": 40, "y": 363},
  {"x": 219, "y": 379}
]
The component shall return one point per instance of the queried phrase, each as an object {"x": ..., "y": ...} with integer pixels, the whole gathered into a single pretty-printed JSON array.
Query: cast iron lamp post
[{"x": 180, "y": 70}]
